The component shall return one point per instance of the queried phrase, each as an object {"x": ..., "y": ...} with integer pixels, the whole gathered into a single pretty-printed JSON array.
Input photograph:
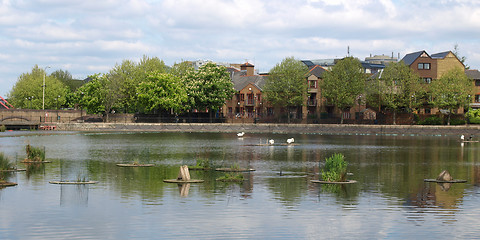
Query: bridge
[{"x": 16, "y": 119}]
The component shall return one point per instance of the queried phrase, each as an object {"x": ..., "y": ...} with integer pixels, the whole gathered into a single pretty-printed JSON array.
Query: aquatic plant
[
  {"x": 35, "y": 154},
  {"x": 335, "y": 169},
  {"x": 5, "y": 163},
  {"x": 231, "y": 178}
]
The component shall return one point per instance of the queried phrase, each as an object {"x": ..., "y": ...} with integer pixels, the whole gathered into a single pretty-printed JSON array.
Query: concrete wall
[{"x": 406, "y": 130}]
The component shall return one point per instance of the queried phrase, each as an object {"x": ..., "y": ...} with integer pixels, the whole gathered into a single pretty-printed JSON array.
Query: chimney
[{"x": 248, "y": 67}]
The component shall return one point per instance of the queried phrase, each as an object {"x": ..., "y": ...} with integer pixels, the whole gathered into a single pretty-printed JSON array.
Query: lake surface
[{"x": 277, "y": 201}]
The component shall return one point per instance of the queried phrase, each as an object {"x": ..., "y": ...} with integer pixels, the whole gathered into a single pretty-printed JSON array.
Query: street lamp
[{"x": 43, "y": 86}]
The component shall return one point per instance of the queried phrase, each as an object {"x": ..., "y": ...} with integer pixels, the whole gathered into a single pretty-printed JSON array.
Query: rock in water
[{"x": 444, "y": 176}]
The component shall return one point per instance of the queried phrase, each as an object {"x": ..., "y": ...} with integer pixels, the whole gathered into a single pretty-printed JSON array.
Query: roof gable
[
  {"x": 411, "y": 57},
  {"x": 317, "y": 71}
]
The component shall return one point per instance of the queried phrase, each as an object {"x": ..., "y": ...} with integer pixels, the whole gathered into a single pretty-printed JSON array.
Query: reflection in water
[
  {"x": 74, "y": 195},
  {"x": 275, "y": 201},
  {"x": 183, "y": 189}
]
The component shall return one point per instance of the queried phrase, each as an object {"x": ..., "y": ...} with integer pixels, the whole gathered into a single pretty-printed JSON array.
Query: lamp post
[{"x": 43, "y": 86}]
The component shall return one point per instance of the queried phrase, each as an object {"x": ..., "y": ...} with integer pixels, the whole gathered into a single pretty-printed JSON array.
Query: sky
[{"x": 86, "y": 37}]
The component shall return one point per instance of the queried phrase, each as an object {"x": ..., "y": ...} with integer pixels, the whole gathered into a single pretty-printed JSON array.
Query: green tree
[
  {"x": 451, "y": 91},
  {"x": 208, "y": 88},
  {"x": 181, "y": 69},
  {"x": 121, "y": 82},
  {"x": 397, "y": 87},
  {"x": 343, "y": 85},
  {"x": 162, "y": 91},
  {"x": 28, "y": 91},
  {"x": 286, "y": 85},
  {"x": 91, "y": 96}
]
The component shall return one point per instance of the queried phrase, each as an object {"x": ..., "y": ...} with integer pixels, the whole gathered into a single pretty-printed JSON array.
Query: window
[
  {"x": 269, "y": 111},
  {"x": 242, "y": 97},
  {"x": 427, "y": 80},
  {"x": 312, "y": 83},
  {"x": 477, "y": 82},
  {"x": 259, "y": 97},
  {"x": 477, "y": 98},
  {"x": 428, "y": 111},
  {"x": 425, "y": 66}
]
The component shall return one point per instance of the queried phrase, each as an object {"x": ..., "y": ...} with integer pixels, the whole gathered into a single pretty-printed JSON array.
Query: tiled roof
[
  {"x": 473, "y": 74},
  {"x": 411, "y": 57},
  {"x": 240, "y": 80},
  {"x": 440, "y": 55},
  {"x": 317, "y": 71}
]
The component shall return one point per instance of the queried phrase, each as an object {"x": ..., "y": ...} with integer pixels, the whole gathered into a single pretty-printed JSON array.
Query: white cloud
[{"x": 89, "y": 36}]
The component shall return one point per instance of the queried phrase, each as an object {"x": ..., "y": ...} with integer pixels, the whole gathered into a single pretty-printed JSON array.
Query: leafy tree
[
  {"x": 28, "y": 91},
  {"x": 121, "y": 82},
  {"x": 344, "y": 83},
  {"x": 208, "y": 88},
  {"x": 286, "y": 85},
  {"x": 162, "y": 90},
  {"x": 92, "y": 94},
  {"x": 451, "y": 91},
  {"x": 397, "y": 87},
  {"x": 181, "y": 69}
]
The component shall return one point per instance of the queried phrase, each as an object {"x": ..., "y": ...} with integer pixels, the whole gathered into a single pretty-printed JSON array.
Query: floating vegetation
[
  {"x": 5, "y": 163},
  {"x": 202, "y": 164},
  {"x": 231, "y": 177},
  {"x": 335, "y": 169},
  {"x": 34, "y": 154}
]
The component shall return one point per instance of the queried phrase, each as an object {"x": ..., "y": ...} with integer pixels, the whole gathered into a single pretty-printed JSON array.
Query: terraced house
[{"x": 432, "y": 67}]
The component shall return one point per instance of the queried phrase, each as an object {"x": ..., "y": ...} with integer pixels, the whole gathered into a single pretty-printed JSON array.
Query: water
[{"x": 390, "y": 200}]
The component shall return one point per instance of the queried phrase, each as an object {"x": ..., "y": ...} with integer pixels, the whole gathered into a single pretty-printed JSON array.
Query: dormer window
[{"x": 425, "y": 66}]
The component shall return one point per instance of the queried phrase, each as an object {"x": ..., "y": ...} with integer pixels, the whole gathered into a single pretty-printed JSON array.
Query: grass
[
  {"x": 231, "y": 177},
  {"x": 201, "y": 164},
  {"x": 5, "y": 163},
  {"x": 35, "y": 154},
  {"x": 335, "y": 169}
]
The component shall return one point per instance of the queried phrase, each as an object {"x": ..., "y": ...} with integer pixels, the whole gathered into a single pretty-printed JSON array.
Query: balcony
[{"x": 250, "y": 102}]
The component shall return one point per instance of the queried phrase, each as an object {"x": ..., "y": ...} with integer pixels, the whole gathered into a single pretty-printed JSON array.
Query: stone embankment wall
[{"x": 466, "y": 130}]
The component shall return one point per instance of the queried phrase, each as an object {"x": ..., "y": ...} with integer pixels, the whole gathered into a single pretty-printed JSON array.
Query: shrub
[
  {"x": 3, "y": 128},
  {"x": 432, "y": 120},
  {"x": 335, "y": 169},
  {"x": 34, "y": 153},
  {"x": 473, "y": 116},
  {"x": 456, "y": 121}
]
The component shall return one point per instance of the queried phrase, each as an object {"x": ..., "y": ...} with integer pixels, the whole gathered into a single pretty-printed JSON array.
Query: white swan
[
  {"x": 240, "y": 134},
  {"x": 290, "y": 140},
  {"x": 462, "y": 137},
  {"x": 271, "y": 141}
]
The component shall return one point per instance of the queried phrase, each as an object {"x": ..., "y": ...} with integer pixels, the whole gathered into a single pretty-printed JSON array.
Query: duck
[
  {"x": 271, "y": 141},
  {"x": 290, "y": 140},
  {"x": 240, "y": 134}
]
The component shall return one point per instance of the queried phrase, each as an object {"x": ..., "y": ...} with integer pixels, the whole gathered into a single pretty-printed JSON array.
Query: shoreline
[{"x": 342, "y": 129}]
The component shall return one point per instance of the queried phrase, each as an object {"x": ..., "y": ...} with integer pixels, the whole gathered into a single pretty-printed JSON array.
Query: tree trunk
[
  {"x": 448, "y": 120},
  {"x": 288, "y": 114},
  {"x": 341, "y": 117},
  {"x": 394, "y": 117}
]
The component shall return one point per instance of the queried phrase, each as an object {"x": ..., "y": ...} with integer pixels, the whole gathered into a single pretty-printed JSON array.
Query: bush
[
  {"x": 34, "y": 153},
  {"x": 432, "y": 120},
  {"x": 335, "y": 169},
  {"x": 473, "y": 116},
  {"x": 3, "y": 128},
  {"x": 456, "y": 121}
]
